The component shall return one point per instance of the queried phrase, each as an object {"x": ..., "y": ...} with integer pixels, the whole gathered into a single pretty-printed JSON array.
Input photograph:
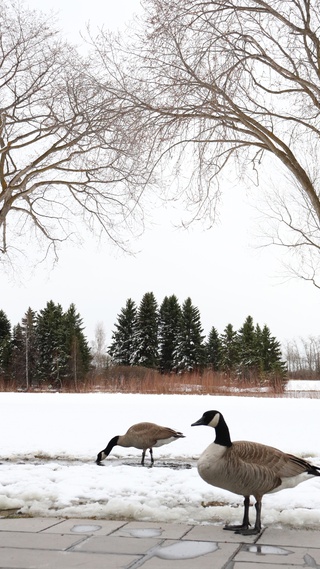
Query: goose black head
[{"x": 209, "y": 418}]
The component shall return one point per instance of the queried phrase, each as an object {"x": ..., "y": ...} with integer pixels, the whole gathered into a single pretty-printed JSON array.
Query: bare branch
[
  {"x": 62, "y": 156},
  {"x": 219, "y": 86}
]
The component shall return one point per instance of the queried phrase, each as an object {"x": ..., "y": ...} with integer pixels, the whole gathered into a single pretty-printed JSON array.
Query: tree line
[
  {"x": 47, "y": 347},
  {"x": 50, "y": 347},
  {"x": 170, "y": 338}
]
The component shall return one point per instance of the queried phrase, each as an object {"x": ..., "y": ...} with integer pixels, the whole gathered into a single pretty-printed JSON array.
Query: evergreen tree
[
  {"x": 146, "y": 333},
  {"x": 24, "y": 356},
  {"x": 190, "y": 353},
  {"x": 5, "y": 343},
  {"x": 29, "y": 332},
  {"x": 229, "y": 349},
  {"x": 248, "y": 349},
  {"x": 213, "y": 347},
  {"x": 18, "y": 368},
  {"x": 169, "y": 328},
  {"x": 76, "y": 346},
  {"x": 270, "y": 352},
  {"x": 51, "y": 344},
  {"x": 121, "y": 349}
]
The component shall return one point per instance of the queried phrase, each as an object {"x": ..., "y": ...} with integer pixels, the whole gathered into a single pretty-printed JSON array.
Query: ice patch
[
  {"x": 186, "y": 550},
  {"x": 266, "y": 550},
  {"x": 144, "y": 532},
  {"x": 85, "y": 528}
]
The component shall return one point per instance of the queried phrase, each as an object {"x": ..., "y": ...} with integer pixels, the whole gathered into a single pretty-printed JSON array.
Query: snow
[
  {"x": 49, "y": 445},
  {"x": 303, "y": 385}
]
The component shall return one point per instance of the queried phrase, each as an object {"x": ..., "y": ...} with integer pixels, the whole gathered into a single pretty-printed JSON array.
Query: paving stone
[
  {"x": 25, "y": 540},
  {"x": 153, "y": 529},
  {"x": 297, "y": 538},
  {"x": 218, "y": 558},
  {"x": 36, "y": 559},
  {"x": 217, "y": 533},
  {"x": 85, "y": 527},
  {"x": 274, "y": 554},
  {"x": 244, "y": 565},
  {"x": 112, "y": 544},
  {"x": 28, "y": 524}
]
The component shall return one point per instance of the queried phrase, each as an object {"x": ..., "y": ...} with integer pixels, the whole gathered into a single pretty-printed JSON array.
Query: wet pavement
[{"x": 45, "y": 543}]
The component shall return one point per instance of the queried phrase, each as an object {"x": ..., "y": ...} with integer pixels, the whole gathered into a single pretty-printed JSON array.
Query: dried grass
[
  {"x": 125, "y": 379},
  {"x": 143, "y": 380}
]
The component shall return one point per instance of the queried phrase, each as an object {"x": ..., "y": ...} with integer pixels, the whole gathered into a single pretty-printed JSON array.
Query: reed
[{"x": 135, "y": 379}]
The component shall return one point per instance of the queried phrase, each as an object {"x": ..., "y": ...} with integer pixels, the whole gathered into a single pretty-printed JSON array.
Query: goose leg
[
  {"x": 245, "y": 522},
  {"x": 151, "y": 456},
  {"x": 257, "y": 525},
  {"x": 142, "y": 459}
]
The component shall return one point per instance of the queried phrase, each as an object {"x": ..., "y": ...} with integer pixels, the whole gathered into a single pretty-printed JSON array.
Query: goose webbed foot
[
  {"x": 248, "y": 531},
  {"x": 237, "y": 528},
  {"x": 245, "y": 528}
]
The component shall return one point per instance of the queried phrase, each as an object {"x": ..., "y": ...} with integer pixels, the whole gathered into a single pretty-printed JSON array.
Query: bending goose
[
  {"x": 248, "y": 468},
  {"x": 143, "y": 436}
]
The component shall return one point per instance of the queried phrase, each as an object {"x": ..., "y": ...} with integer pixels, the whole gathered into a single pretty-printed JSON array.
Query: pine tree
[
  {"x": 190, "y": 353},
  {"x": 169, "y": 328},
  {"x": 25, "y": 350},
  {"x": 76, "y": 346},
  {"x": 270, "y": 352},
  {"x": 51, "y": 345},
  {"x": 229, "y": 349},
  {"x": 5, "y": 343},
  {"x": 146, "y": 332},
  {"x": 121, "y": 349},
  {"x": 18, "y": 368},
  {"x": 248, "y": 349},
  {"x": 213, "y": 348}
]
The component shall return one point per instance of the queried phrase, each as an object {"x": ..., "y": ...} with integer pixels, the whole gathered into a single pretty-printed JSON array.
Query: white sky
[
  {"x": 222, "y": 270},
  {"x": 50, "y": 471}
]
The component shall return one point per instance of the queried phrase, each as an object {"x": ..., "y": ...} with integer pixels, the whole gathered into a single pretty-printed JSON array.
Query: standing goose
[
  {"x": 248, "y": 468},
  {"x": 143, "y": 436}
]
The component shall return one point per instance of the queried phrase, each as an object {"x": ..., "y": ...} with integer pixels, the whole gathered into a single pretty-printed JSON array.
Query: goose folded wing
[
  {"x": 282, "y": 464},
  {"x": 165, "y": 433}
]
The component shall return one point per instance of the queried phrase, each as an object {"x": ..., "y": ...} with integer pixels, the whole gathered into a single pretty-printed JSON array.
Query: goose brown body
[
  {"x": 260, "y": 468},
  {"x": 248, "y": 468},
  {"x": 142, "y": 436}
]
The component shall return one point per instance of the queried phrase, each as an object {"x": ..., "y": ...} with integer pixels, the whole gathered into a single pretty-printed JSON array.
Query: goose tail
[
  {"x": 179, "y": 435},
  {"x": 314, "y": 470}
]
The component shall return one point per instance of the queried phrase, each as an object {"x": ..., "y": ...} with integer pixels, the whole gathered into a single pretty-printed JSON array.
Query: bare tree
[
  {"x": 100, "y": 360},
  {"x": 303, "y": 356},
  {"x": 225, "y": 85},
  {"x": 60, "y": 157}
]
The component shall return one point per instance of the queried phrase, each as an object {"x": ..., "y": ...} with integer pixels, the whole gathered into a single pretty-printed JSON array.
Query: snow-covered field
[
  {"x": 310, "y": 385},
  {"x": 49, "y": 443}
]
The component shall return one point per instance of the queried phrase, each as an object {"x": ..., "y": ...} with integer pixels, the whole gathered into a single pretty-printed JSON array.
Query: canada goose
[
  {"x": 248, "y": 468},
  {"x": 144, "y": 436}
]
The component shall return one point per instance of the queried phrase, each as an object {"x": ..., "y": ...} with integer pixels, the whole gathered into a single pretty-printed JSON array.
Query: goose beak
[{"x": 199, "y": 422}]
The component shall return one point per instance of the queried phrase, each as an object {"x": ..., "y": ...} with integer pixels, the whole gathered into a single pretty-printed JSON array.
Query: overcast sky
[{"x": 222, "y": 269}]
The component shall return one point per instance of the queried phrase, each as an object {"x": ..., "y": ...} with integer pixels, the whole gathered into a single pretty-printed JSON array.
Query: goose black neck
[
  {"x": 222, "y": 433},
  {"x": 110, "y": 445}
]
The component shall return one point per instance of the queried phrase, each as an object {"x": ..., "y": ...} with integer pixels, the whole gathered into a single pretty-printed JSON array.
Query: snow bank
[{"x": 50, "y": 441}]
